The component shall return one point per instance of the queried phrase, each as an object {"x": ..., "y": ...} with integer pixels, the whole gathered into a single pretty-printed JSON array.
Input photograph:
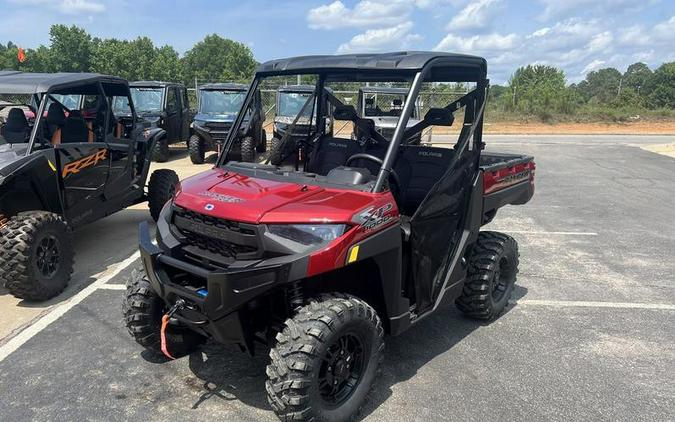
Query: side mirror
[{"x": 439, "y": 117}]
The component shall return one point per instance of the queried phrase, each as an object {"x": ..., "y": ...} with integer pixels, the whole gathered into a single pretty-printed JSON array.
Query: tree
[
  {"x": 661, "y": 86},
  {"x": 603, "y": 85},
  {"x": 537, "y": 89},
  {"x": 216, "y": 58},
  {"x": 167, "y": 65},
  {"x": 637, "y": 76},
  {"x": 71, "y": 48}
]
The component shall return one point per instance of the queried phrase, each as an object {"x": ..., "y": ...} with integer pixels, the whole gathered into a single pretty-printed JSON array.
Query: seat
[
  {"x": 419, "y": 169},
  {"x": 54, "y": 121},
  {"x": 331, "y": 153},
  {"x": 75, "y": 128},
  {"x": 16, "y": 129}
]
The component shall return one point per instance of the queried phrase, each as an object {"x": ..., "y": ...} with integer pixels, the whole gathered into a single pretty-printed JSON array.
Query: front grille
[
  {"x": 226, "y": 238},
  {"x": 219, "y": 126}
]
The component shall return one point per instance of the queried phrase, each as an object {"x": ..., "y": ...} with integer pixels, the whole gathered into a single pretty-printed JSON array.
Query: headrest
[
  {"x": 370, "y": 101},
  {"x": 75, "y": 114},
  {"x": 397, "y": 102},
  {"x": 55, "y": 115},
  {"x": 345, "y": 112},
  {"x": 16, "y": 120}
]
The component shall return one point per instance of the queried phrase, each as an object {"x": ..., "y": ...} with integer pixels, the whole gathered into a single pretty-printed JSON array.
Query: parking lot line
[
  {"x": 551, "y": 233},
  {"x": 113, "y": 287},
  {"x": 589, "y": 304},
  {"x": 58, "y": 311}
]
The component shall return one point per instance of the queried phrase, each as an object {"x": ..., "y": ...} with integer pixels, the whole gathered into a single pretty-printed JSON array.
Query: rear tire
[
  {"x": 277, "y": 153},
  {"x": 325, "y": 360},
  {"x": 160, "y": 152},
  {"x": 493, "y": 266},
  {"x": 36, "y": 255},
  {"x": 196, "y": 149},
  {"x": 161, "y": 188},
  {"x": 143, "y": 311},
  {"x": 248, "y": 150},
  {"x": 262, "y": 143}
]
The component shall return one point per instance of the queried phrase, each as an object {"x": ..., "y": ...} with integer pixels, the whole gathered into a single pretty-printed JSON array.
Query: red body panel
[
  {"x": 233, "y": 196},
  {"x": 497, "y": 180}
]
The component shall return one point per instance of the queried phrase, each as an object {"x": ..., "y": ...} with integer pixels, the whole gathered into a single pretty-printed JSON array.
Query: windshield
[
  {"x": 71, "y": 102},
  {"x": 290, "y": 103},
  {"x": 120, "y": 105},
  {"x": 220, "y": 102},
  {"x": 379, "y": 104},
  {"x": 147, "y": 100}
]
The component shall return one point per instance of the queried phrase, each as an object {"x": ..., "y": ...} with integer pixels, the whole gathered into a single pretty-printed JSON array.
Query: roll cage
[{"x": 412, "y": 67}]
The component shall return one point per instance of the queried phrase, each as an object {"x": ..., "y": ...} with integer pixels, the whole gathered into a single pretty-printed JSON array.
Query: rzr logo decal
[
  {"x": 375, "y": 217},
  {"x": 81, "y": 164}
]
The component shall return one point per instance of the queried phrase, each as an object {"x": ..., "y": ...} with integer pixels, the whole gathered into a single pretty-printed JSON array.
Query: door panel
[
  {"x": 83, "y": 169},
  {"x": 122, "y": 169},
  {"x": 172, "y": 115}
]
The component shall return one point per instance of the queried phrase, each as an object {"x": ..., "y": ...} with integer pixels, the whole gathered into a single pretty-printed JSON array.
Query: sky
[{"x": 576, "y": 35}]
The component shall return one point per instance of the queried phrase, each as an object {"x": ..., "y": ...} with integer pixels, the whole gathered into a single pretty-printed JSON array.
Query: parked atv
[
  {"x": 68, "y": 167},
  {"x": 383, "y": 105},
  {"x": 218, "y": 107},
  {"x": 289, "y": 101},
  {"x": 164, "y": 105},
  {"x": 368, "y": 237}
]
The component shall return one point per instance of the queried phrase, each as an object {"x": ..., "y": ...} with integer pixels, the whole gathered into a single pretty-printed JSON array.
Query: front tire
[
  {"x": 248, "y": 150},
  {"x": 161, "y": 189},
  {"x": 491, "y": 277},
  {"x": 36, "y": 255},
  {"x": 325, "y": 360},
  {"x": 160, "y": 152},
  {"x": 143, "y": 311},
  {"x": 196, "y": 149}
]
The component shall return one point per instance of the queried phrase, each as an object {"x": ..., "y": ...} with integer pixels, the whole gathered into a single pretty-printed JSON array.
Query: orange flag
[{"x": 21, "y": 55}]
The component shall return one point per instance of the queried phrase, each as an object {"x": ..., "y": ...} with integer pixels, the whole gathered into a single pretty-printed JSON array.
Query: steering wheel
[{"x": 369, "y": 157}]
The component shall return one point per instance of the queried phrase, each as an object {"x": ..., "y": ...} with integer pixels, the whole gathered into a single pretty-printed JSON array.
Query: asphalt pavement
[{"x": 589, "y": 335}]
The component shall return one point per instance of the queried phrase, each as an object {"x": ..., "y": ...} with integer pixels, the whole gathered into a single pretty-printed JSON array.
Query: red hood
[{"x": 237, "y": 197}]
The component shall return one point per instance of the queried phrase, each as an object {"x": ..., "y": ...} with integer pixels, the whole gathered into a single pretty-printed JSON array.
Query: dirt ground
[{"x": 537, "y": 128}]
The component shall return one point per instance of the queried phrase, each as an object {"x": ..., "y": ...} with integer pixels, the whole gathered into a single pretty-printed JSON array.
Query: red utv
[{"x": 361, "y": 238}]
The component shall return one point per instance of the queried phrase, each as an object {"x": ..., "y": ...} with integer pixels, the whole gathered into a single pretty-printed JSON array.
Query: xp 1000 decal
[{"x": 374, "y": 217}]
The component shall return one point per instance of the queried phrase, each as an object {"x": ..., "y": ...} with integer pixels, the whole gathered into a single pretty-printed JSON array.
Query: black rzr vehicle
[
  {"x": 164, "y": 105},
  {"x": 289, "y": 102},
  {"x": 62, "y": 166},
  {"x": 383, "y": 105},
  {"x": 367, "y": 237},
  {"x": 219, "y": 105}
]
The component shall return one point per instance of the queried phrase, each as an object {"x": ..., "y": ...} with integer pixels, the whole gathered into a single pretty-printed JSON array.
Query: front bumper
[{"x": 215, "y": 300}]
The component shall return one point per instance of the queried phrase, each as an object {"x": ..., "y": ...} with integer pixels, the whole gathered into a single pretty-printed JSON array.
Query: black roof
[
  {"x": 158, "y": 84},
  {"x": 12, "y": 82},
  {"x": 224, "y": 87},
  {"x": 296, "y": 88},
  {"x": 383, "y": 90},
  {"x": 445, "y": 66}
]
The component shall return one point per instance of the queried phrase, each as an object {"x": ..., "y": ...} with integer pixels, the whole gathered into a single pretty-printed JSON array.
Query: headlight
[
  {"x": 308, "y": 234},
  {"x": 199, "y": 122}
]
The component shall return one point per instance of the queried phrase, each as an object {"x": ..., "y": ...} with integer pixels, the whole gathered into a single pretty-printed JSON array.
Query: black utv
[
  {"x": 290, "y": 100},
  {"x": 383, "y": 105},
  {"x": 164, "y": 105},
  {"x": 218, "y": 106},
  {"x": 66, "y": 160}
]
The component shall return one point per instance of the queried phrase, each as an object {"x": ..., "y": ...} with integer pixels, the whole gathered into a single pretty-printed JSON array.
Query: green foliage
[
  {"x": 661, "y": 87},
  {"x": 218, "y": 58},
  {"x": 71, "y": 49}
]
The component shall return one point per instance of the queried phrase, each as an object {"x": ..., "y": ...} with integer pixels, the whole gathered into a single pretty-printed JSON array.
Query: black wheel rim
[
  {"x": 48, "y": 256},
  {"x": 342, "y": 368},
  {"x": 502, "y": 280}
]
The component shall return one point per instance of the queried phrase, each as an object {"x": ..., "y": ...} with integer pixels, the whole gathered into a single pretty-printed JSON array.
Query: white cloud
[
  {"x": 478, "y": 44},
  {"x": 475, "y": 15},
  {"x": 379, "y": 40},
  {"x": 66, "y": 7},
  {"x": 594, "y": 65},
  {"x": 563, "y": 8},
  {"x": 365, "y": 14}
]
